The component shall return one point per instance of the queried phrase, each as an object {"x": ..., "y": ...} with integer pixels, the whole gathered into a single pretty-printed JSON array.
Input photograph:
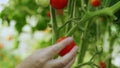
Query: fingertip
[
  {"x": 75, "y": 48},
  {"x": 74, "y": 51},
  {"x": 68, "y": 40}
]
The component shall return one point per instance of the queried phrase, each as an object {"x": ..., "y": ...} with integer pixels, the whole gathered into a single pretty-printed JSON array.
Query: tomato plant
[
  {"x": 94, "y": 25},
  {"x": 83, "y": 22},
  {"x": 66, "y": 49},
  {"x": 58, "y": 4}
]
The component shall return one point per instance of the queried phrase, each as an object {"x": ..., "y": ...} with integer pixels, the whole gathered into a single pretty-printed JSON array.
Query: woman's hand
[{"x": 44, "y": 58}]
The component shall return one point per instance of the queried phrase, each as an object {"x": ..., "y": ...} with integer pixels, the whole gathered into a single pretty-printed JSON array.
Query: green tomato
[{"x": 43, "y": 3}]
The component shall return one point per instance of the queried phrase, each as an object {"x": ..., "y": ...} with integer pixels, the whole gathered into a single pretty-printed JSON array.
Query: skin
[{"x": 44, "y": 58}]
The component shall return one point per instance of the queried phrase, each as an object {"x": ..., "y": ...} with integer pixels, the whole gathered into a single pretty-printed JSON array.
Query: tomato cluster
[{"x": 66, "y": 49}]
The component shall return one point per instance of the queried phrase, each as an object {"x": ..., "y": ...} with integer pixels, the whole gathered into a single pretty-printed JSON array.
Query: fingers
[
  {"x": 49, "y": 52},
  {"x": 55, "y": 49},
  {"x": 70, "y": 63},
  {"x": 63, "y": 61}
]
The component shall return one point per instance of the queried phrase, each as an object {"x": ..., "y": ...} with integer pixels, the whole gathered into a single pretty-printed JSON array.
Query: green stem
[
  {"x": 69, "y": 7},
  {"x": 83, "y": 5},
  {"x": 68, "y": 22},
  {"x": 80, "y": 65},
  {"x": 115, "y": 7},
  {"x": 84, "y": 19},
  {"x": 81, "y": 29},
  {"x": 88, "y": 5},
  {"x": 71, "y": 12},
  {"x": 54, "y": 25},
  {"x": 84, "y": 45},
  {"x": 112, "y": 40},
  {"x": 26, "y": 9},
  {"x": 87, "y": 63},
  {"x": 107, "y": 3},
  {"x": 110, "y": 59},
  {"x": 93, "y": 57}
]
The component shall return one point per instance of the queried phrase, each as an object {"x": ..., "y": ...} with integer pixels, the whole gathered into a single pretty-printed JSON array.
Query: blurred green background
[{"x": 23, "y": 29}]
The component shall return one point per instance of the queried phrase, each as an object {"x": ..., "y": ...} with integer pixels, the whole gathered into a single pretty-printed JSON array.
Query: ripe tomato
[
  {"x": 1, "y": 46},
  {"x": 48, "y": 14},
  {"x": 58, "y": 4},
  {"x": 66, "y": 49},
  {"x": 102, "y": 65},
  {"x": 95, "y": 3}
]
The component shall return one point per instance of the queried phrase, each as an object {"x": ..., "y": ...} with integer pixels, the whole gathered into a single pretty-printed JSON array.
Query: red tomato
[
  {"x": 102, "y": 65},
  {"x": 95, "y": 3},
  {"x": 48, "y": 14},
  {"x": 58, "y": 4},
  {"x": 66, "y": 49}
]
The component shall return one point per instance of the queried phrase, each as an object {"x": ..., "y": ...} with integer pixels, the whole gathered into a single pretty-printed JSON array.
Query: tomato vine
[{"x": 73, "y": 24}]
